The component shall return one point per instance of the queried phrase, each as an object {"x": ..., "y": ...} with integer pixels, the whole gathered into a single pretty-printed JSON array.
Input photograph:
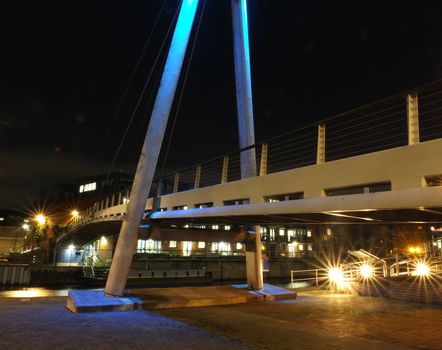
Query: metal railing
[
  {"x": 315, "y": 272},
  {"x": 403, "y": 119}
]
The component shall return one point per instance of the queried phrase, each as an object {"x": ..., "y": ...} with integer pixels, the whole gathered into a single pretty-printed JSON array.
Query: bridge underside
[
  {"x": 393, "y": 216},
  {"x": 152, "y": 230},
  {"x": 414, "y": 206}
]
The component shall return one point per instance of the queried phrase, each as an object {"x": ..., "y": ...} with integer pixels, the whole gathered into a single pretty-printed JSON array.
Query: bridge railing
[{"x": 404, "y": 119}]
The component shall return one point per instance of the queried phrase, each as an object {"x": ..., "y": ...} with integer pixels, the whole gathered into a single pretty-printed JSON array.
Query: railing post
[
  {"x": 113, "y": 200},
  {"x": 107, "y": 203},
  {"x": 413, "y": 119},
  {"x": 197, "y": 176},
  {"x": 160, "y": 187},
  {"x": 263, "y": 161},
  {"x": 102, "y": 204},
  {"x": 320, "y": 155},
  {"x": 119, "y": 198},
  {"x": 176, "y": 182},
  {"x": 225, "y": 170}
]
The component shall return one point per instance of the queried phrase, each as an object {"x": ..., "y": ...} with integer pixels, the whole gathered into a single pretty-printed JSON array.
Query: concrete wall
[
  {"x": 225, "y": 268},
  {"x": 11, "y": 239},
  {"x": 405, "y": 167}
]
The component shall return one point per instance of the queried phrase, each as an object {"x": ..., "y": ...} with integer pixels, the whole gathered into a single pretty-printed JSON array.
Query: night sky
[{"x": 65, "y": 66}]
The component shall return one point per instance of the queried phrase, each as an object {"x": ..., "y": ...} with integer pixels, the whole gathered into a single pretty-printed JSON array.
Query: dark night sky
[{"x": 65, "y": 65}]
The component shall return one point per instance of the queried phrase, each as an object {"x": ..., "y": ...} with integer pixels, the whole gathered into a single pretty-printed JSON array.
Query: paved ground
[
  {"x": 319, "y": 320},
  {"x": 45, "y": 323},
  {"x": 316, "y": 320}
]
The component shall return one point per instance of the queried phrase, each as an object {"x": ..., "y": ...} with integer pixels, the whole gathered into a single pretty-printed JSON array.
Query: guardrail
[
  {"x": 316, "y": 273},
  {"x": 415, "y": 116}
]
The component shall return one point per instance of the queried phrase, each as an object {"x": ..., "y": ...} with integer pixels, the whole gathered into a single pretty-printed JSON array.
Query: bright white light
[
  {"x": 103, "y": 240},
  {"x": 71, "y": 247},
  {"x": 40, "y": 218},
  {"x": 366, "y": 271},
  {"x": 25, "y": 227},
  {"x": 336, "y": 275},
  {"x": 75, "y": 213},
  {"x": 422, "y": 269}
]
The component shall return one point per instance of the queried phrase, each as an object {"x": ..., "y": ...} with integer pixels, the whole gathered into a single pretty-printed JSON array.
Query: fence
[{"x": 404, "y": 119}]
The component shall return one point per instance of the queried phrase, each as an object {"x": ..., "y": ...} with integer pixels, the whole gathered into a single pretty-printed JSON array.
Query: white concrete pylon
[
  {"x": 127, "y": 239},
  {"x": 244, "y": 104}
]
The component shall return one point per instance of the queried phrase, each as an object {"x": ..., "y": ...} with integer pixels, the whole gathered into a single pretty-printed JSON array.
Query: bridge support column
[
  {"x": 127, "y": 239},
  {"x": 254, "y": 260},
  {"x": 320, "y": 152},
  {"x": 225, "y": 172},
  {"x": 243, "y": 82},
  {"x": 176, "y": 182},
  {"x": 413, "y": 119},
  {"x": 197, "y": 177}
]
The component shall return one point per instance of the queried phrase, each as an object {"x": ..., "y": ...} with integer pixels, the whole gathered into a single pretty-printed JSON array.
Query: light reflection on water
[
  {"x": 42, "y": 292},
  {"x": 37, "y": 292}
]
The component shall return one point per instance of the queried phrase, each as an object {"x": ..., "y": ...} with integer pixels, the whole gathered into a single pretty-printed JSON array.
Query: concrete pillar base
[{"x": 254, "y": 260}]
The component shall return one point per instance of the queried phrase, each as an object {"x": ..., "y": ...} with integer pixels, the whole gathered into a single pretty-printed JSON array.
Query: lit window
[
  {"x": 291, "y": 247},
  {"x": 187, "y": 248},
  {"x": 88, "y": 187},
  {"x": 227, "y": 228},
  {"x": 153, "y": 246},
  {"x": 238, "y": 246},
  {"x": 310, "y": 247},
  {"x": 172, "y": 244},
  {"x": 204, "y": 205},
  {"x": 141, "y": 245},
  {"x": 272, "y": 234},
  {"x": 309, "y": 233},
  {"x": 215, "y": 227},
  {"x": 301, "y": 247},
  {"x": 201, "y": 245},
  {"x": 186, "y": 226},
  {"x": 2, "y": 219},
  {"x": 221, "y": 247},
  {"x": 281, "y": 232},
  {"x": 181, "y": 207}
]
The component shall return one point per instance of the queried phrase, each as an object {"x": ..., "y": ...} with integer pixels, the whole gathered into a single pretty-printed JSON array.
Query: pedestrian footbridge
[{"x": 377, "y": 164}]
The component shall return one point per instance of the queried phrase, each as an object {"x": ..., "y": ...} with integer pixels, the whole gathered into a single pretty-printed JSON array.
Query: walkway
[
  {"x": 315, "y": 320},
  {"x": 318, "y": 320}
]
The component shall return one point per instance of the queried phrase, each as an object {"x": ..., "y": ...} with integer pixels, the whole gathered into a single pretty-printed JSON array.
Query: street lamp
[
  {"x": 40, "y": 218},
  {"x": 75, "y": 213}
]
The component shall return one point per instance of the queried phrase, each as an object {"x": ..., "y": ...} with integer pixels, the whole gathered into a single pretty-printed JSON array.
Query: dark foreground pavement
[
  {"x": 45, "y": 323},
  {"x": 316, "y": 320},
  {"x": 320, "y": 320}
]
